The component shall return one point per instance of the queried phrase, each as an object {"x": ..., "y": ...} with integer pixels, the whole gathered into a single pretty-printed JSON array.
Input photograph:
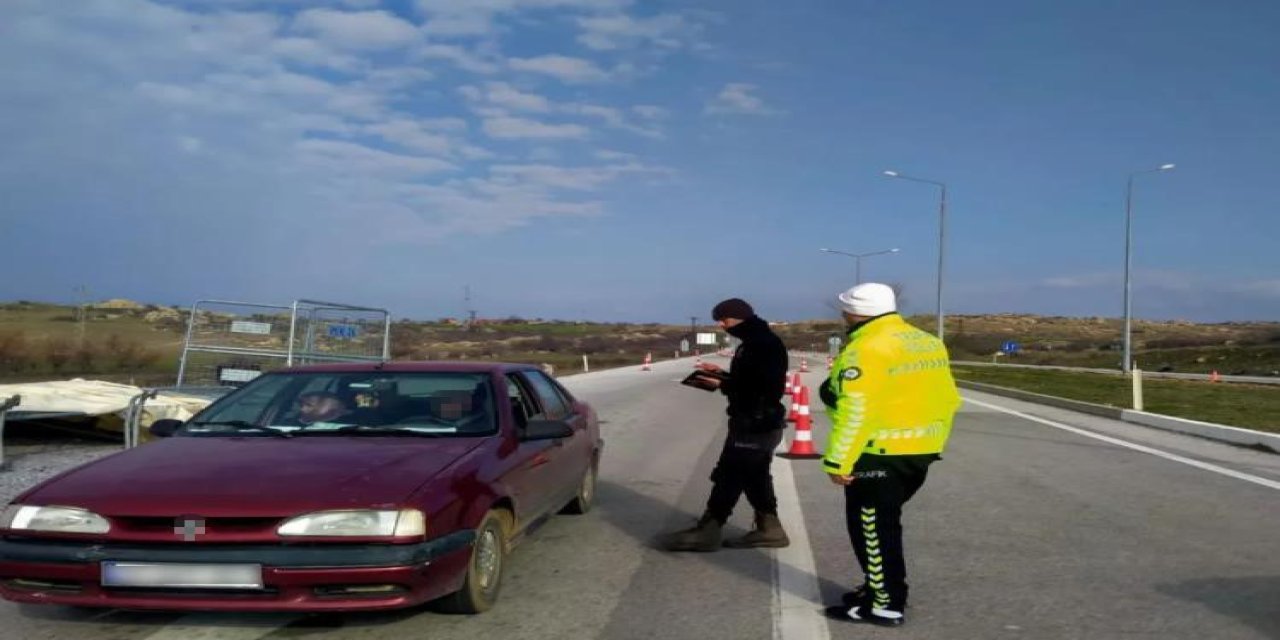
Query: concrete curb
[
  {"x": 1103, "y": 410},
  {"x": 1259, "y": 440},
  {"x": 1244, "y": 437}
]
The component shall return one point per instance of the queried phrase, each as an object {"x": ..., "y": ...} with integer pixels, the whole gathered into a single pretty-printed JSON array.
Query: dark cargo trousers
[{"x": 743, "y": 467}]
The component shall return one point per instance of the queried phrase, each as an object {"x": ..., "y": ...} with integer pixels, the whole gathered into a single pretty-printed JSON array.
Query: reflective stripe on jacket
[{"x": 893, "y": 394}]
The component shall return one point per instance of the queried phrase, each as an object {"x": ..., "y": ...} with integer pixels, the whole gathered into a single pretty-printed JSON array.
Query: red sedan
[{"x": 323, "y": 488}]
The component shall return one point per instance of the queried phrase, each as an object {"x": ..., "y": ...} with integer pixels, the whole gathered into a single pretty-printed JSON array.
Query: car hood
[{"x": 254, "y": 476}]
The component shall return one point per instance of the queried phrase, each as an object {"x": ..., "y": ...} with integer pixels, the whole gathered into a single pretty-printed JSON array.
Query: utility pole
[
  {"x": 693, "y": 331},
  {"x": 81, "y": 310},
  {"x": 471, "y": 313}
]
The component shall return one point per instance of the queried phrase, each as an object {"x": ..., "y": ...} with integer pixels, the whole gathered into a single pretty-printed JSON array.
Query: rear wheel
[
  {"x": 480, "y": 589},
  {"x": 586, "y": 495}
]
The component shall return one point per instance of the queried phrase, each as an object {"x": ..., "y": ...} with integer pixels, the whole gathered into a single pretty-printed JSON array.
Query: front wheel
[
  {"x": 479, "y": 591},
  {"x": 586, "y": 495}
]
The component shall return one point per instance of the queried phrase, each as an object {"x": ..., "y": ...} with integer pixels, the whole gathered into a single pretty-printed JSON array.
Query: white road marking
[
  {"x": 1271, "y": 484},
  {"x": 796, "y": 595},
  {"x": 222, "y": 626}
]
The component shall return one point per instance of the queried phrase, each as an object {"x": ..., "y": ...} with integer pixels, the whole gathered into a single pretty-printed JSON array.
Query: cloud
[
  {"x": 348, "y": 157},
  {"x": 462, "y": 18},
  {"x": 522, "y": 128},
  {"x": 571, "y": 178},
  {"x": 410, "y": 134},
  {"x": 564, "y": 68},
  {"x": 650, "y": 112},
  {"x": 326, "y": 124},
  {"x": 311, "y": 52},
  {"x": 612, "y": 117},
  {"x": 359, "y": 30},
  {"x": 614, "y": 156},
  {"x": 739, "y": 98},
  {"x": 459, "y": 56},
  {"x": 1267, "y": 289},
  {"x": 497, "y": 99},
  {"x": 505, "y": 96},
  {"x": 619, "y": 31},
  {"x": 1081, "y": 281}
]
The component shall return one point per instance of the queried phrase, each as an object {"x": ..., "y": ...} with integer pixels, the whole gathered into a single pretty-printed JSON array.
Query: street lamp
[
  {"x": 942, "y": 235},
  {"x": 1127, "y": 364},
  {"x": 858, "y": 257}
]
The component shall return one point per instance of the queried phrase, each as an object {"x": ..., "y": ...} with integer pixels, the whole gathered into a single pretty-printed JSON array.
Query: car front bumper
[{"x": 319, "y": 577}]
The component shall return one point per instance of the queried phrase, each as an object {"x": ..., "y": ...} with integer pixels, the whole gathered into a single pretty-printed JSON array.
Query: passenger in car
[{"x": 464, "y": 409}]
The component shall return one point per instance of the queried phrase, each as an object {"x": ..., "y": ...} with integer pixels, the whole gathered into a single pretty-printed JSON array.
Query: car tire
[
  {"x": 480, "y": 588},
  {"x": 586, "y": 495}
]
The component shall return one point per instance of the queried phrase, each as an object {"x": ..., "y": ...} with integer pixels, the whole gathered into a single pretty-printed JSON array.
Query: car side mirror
[
  {"x": 546, "y": 430},
  {"x": 165, "y": 428}
]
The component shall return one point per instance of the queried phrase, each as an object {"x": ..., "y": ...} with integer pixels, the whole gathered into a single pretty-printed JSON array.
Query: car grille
[{"x": 170, "y": 529}]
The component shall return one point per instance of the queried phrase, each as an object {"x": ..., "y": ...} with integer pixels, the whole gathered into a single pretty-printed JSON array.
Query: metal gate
[{"x": 229, "y": 343}]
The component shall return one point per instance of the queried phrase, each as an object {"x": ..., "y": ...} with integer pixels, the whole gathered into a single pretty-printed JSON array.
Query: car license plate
[{"x": 182, "y": 576}]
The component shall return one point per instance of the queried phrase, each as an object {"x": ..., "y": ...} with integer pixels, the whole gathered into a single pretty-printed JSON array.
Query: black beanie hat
[{"x": 732, "y": 308}]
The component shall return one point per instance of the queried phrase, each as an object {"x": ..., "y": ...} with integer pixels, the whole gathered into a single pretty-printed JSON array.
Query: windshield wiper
[
  {"x": 241, "y": 425},
  {"x": 372, "y": 429}
]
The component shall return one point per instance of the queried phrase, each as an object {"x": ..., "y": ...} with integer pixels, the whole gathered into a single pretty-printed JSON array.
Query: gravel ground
[{"x": 26, "y": 466}]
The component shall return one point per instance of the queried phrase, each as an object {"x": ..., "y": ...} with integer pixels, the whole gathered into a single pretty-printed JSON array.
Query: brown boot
[
  {"x": 704, "y": 536},
  {"x": 768, "y": 533}
]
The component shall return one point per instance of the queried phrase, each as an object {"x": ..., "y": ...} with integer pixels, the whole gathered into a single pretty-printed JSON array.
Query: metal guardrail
[
  {"x": 133, "y": 413},
  {"x": 5, "y": 406},
  {"x": 1116, "y": 372}
]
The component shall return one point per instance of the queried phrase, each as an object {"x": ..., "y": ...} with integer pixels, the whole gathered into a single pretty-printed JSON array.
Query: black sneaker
[{"x": 863, "y": 615}]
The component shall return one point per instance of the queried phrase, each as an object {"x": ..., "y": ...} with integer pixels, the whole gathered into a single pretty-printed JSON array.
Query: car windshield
[{"x": 365, "y": 404}]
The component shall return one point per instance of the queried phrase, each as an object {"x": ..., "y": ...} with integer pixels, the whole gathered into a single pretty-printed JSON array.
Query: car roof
[{"x": 423, "y": 366}]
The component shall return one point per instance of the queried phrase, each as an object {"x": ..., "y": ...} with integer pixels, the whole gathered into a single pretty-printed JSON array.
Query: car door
[
  {"x": 570, "y": 455},
  {"x": 532, "y": 476}
]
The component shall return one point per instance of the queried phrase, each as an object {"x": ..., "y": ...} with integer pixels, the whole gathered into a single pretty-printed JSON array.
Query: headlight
[
  {"x": 405, "y": 522},
  {"x": 54, "y": 519}
]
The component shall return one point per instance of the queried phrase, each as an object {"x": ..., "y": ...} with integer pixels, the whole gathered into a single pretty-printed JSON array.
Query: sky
[{"x": 633, "y": 160}]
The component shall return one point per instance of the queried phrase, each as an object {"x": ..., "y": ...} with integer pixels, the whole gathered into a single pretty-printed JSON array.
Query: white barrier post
[
  {"x": 586, "y": 366},
  {"x": 1137, "y": 387},
  {"x": 5, "y": 406}
]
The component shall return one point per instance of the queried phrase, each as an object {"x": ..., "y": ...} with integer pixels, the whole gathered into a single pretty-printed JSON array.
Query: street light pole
[
  {"x": 1127, "y": 364},
  {"x": 942, "y": 237},
  {"x": 858, "y": 257}
]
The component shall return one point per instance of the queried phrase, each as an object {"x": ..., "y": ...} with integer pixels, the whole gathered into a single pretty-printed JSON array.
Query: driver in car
[{"x": 321, "y": 407}]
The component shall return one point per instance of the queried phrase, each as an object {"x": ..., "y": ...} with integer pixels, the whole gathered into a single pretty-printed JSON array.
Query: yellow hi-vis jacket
[{"x": 894, "y": 394}]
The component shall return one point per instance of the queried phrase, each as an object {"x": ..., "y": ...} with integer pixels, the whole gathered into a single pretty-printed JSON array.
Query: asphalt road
[{"x": 1030, "y": 527}]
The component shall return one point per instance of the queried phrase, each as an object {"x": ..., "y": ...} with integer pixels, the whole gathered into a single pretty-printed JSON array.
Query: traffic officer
[{"x": 891, "y": 400}]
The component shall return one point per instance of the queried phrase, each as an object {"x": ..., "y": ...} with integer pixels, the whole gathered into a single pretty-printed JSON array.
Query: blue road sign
[
  {"x": 1010, "y": 346},
  {"x": 344, "y": 331}
]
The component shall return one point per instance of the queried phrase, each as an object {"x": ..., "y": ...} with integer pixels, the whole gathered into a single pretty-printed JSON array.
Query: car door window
[
  {"x": 523, "y": 407},
  {"x": 553, "y": 404}
]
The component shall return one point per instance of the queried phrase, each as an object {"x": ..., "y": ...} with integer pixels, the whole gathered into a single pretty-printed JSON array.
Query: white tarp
[{"x": 98, "y": 398}]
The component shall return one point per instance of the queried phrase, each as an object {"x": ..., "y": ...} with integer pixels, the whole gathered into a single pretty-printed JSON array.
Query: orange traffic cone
[
  {"x": 802, "y": 444},
  {"x": 795, "y": 404},
  {"x": 788, "y": 387},
  {"x": 648, "y": 362},
  {"x": 830, "y": 363},
  {"x": 804, "y": 365},
  {"x": 795, "y": 384},
  {"x": 1214, "y": 377}
]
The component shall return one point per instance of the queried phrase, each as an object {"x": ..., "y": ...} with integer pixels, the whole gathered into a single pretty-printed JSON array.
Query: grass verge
[{"x": 1239, "y": 405}]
